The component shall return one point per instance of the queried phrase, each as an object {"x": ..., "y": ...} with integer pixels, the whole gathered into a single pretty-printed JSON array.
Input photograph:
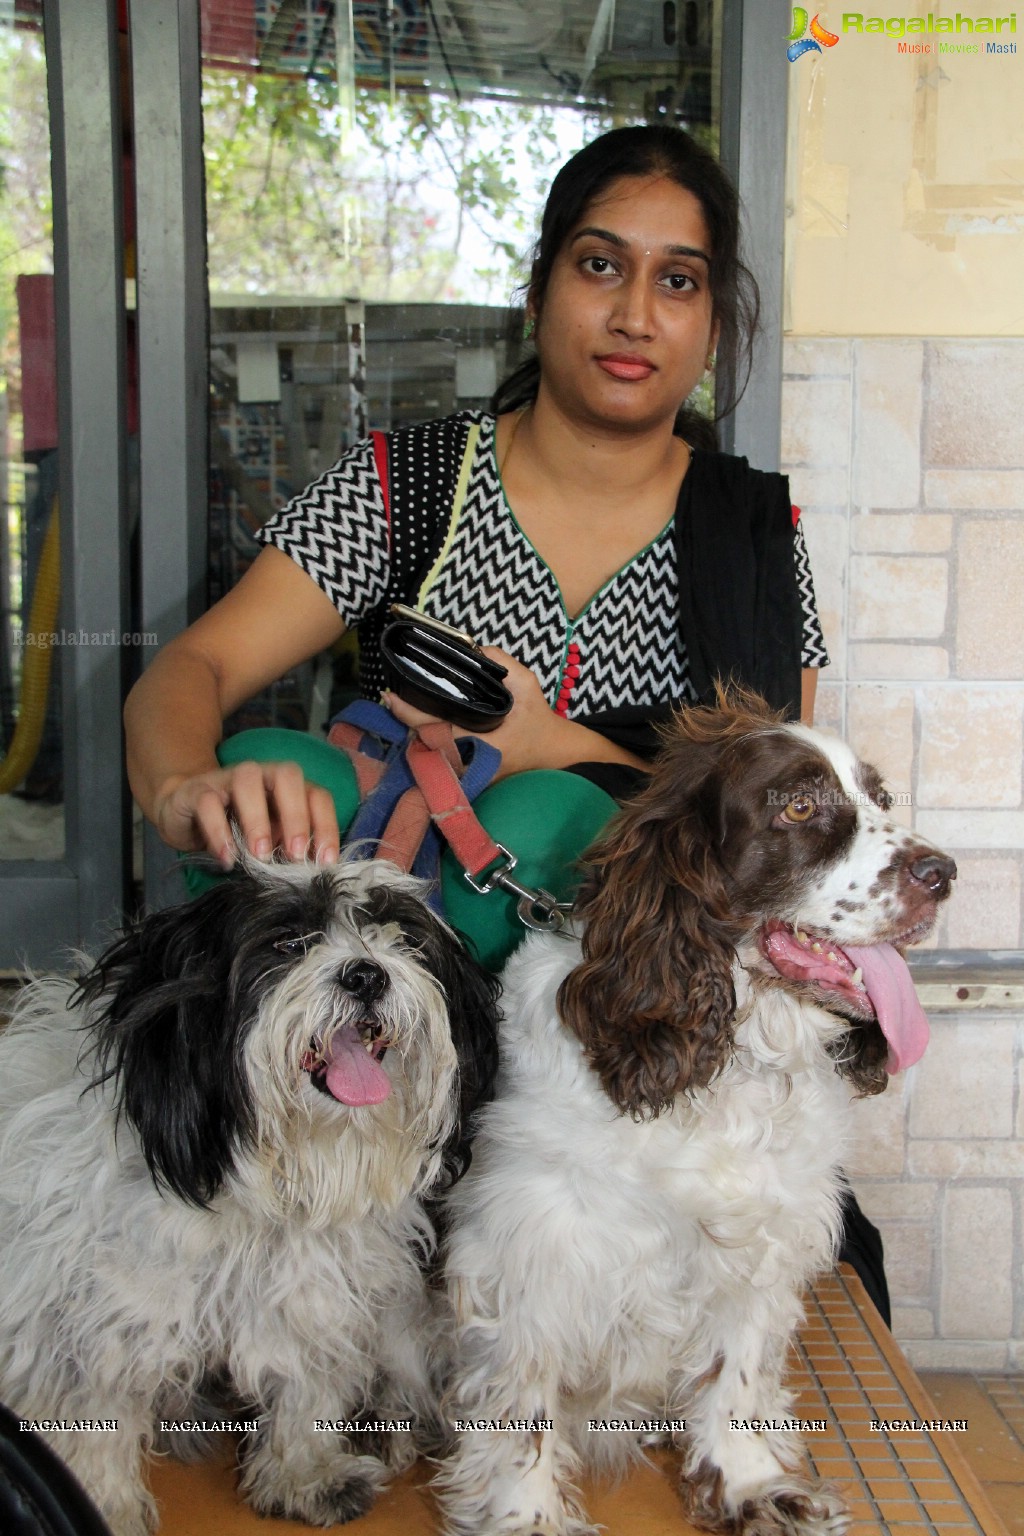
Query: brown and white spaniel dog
[{"x": 659, "y": 1176}]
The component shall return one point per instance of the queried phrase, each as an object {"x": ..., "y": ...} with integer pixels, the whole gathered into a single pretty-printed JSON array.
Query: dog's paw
[
  {"x": 523, "y": 1522},
  {"x": 796, "y": 1509},
  {"x": 567, "y": 1526},
  {"x": 322, "y": 1506},
  {"x": 350, "y": 1492}
]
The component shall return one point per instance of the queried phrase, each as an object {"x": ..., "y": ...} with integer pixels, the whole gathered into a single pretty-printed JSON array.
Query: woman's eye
[
  {"x": 600, "y": 266},
  {"x": 680, "y": 282},
  {"x": 800, "y": 808}
]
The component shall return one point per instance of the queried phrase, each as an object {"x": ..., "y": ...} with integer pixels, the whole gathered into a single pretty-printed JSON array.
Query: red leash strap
[
  {"x": 432, "y": 768},
  {"x": 438, "y": 796},
  {"x": 369, "y": 770},
  {"x": 468, "y": 839},
  {"x": 407, "y": 825}
]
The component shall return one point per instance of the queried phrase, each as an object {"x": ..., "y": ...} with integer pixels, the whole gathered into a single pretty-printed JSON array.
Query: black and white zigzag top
[{"x": 479, "y": 571}]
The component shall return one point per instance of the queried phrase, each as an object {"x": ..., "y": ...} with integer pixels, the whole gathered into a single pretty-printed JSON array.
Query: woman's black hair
[{"x": 653, "y": 150}]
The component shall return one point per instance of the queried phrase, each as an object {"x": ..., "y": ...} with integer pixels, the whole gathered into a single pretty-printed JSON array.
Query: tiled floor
[
  {"x": 993, "y": 1444},
  {"x": 846, "y": 1371}
]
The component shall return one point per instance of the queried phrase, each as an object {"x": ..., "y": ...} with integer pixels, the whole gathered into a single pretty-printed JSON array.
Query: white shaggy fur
[
  {"x": 659, "y": 1175},
  {"x": 295, "y": 1285},
  {"x": 604, "y": 1268}
]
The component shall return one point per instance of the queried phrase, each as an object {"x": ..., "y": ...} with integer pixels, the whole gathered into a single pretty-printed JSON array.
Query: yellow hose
[{"x": 35, "y": 669}]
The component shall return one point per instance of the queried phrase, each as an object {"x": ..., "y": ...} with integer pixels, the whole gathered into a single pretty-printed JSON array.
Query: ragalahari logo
[{"x": 800, "y": 44}]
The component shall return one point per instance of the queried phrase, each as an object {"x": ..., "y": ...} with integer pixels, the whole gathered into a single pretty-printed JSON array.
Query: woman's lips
[{"x": 623, "y": 365}]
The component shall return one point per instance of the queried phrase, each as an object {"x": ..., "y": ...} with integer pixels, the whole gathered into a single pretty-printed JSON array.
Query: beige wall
[
  {"x": 906, "y": 184},
  {"x": 907, "y": 459},
  {"x": 903, "y": 434}
]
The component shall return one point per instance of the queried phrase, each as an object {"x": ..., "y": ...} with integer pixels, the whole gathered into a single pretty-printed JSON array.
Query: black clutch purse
[{"x": 442, "y": 671}]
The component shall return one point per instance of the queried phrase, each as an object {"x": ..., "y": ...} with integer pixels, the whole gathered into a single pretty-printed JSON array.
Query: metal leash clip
[{"x": 536, "y": 909}]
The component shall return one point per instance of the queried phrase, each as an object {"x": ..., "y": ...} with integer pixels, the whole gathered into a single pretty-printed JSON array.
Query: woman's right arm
[{"x": 273, "y": 619}]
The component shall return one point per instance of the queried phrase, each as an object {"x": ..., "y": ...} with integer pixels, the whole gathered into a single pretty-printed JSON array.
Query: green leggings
[{"x": 546, "y": 818}]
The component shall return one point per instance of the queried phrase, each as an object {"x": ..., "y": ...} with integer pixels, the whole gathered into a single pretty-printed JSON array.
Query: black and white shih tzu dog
[
  {"x": 216, "y": 1155},
  {"x": 658, "y": 1176}
]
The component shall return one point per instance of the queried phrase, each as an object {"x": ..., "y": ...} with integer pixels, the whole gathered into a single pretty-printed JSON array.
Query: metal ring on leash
[
  {"x": 542, "y": 911},
  {"x": 536, "y": 909}
]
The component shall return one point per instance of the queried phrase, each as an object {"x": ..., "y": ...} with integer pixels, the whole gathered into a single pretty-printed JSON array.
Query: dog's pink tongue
[
  {"x": 888, "y": 983},
  {"x": 353, "y": 1076}
]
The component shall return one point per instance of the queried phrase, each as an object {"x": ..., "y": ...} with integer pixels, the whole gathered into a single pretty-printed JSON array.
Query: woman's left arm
[{"x": 808, "y": 690}]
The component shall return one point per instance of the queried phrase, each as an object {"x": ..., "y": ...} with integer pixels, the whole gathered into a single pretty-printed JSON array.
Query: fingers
[
  {"x": 326, "y": 840},
  {"x": 520, "y": 681},
  {"x": 408, "y": 715},
  {"x": 210, "y": 818},
  {"x": 271, "y": 804},
  {"x": 249, "y": 786}
]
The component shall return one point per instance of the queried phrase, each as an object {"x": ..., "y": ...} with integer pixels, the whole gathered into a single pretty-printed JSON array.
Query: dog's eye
[
  {"x": 300, "y": 946},
  {"x": 883, "y": 800},
  {"x": 800, "y": 808}
]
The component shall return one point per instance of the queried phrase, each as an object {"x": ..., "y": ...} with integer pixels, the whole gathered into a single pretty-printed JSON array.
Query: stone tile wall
[{"x": 907, "y": 459}]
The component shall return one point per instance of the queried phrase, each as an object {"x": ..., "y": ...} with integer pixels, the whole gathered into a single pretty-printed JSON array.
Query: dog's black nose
[
  {"x": 365, "y": 979},
  {"x": 933, "y": 870}
]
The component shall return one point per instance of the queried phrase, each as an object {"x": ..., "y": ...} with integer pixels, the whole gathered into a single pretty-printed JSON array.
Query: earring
[
  {"x": 709, "y": 366},
  {"x": 528, "y": 328}
]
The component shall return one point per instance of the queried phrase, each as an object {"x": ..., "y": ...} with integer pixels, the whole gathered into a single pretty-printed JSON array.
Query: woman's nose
[{"x": 632, "y": 312}]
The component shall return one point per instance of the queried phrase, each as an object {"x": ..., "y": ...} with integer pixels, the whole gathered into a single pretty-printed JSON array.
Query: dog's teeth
[
  {"x": 816, "y": 947},
  {"x": 832, "y": 957},
  {"x": 801, "y": 936},
  {"x": 858, "y": 977}
]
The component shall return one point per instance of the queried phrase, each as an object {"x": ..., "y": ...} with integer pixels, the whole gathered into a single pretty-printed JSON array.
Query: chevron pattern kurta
[{"x": 491, "y": 582}]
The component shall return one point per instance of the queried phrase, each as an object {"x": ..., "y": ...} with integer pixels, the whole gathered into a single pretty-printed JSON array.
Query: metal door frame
[
  {"x": 47, "y": 906},
  {"x": 755, "y": 95}
]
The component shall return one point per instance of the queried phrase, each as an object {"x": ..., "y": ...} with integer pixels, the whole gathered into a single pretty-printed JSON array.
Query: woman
[
  {"x": 588, "y": 531},
  {"x": 583, "y": 533}
]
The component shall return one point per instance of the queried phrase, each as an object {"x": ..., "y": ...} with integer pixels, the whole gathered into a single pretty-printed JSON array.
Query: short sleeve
[
  {"x": 337, "y": 531},
  {"x": 813, "y": 652}
]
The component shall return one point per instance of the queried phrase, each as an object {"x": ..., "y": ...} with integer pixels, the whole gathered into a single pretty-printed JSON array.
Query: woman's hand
[
  {"x": 271, "y": 804},
  {"x": 532, "y": 735}
]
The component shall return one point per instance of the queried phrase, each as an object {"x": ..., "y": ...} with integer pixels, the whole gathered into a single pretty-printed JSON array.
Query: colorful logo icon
[{"x": 800, "y": 44}]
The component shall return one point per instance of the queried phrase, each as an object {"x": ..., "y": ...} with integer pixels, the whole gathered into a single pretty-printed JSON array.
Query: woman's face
[{"x": 626, "y": 325}]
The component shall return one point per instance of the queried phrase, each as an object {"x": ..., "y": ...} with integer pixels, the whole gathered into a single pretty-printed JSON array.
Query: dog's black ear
[
  {"x": 471, "y": 993},
  {"x": 168, "y": 1035}
]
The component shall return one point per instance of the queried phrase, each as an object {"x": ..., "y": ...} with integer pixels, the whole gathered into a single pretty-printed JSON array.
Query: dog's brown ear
[{"x": 652, "y": 1001}]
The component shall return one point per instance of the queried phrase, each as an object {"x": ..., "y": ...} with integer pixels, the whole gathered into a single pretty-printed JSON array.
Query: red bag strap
[{"x": 380, "y": 459}]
